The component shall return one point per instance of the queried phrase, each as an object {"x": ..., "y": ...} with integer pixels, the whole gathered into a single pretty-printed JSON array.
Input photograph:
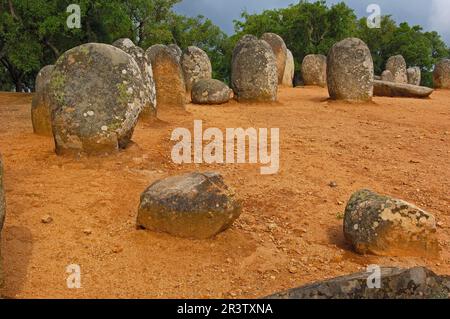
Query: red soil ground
[{"x": 290, "y": 232}]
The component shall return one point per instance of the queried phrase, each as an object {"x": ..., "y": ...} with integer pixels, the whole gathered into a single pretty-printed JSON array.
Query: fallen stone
[
  {"x": 280, "y": 50},
  {"x": 211, "y": 92},
  {"x": 145, "y": 66},
  {"x": 350, "y": 71},
  {"x": 392, "y": 89},
  {"x": 41, "y": 117},
  {"x": 397, "y": 66},
  {"x": 288, "y": 77},
  {"x": 194, "y": 205},
  {"x": 385, "y": 226},
  {"x": 314, "y": 70},
  {"x": 395, "y": 283},
  {"x": 96, "y": 94},
  {"x": 196, "y": 66},
  {"x": 168, "y": 75},
  {"x": 441, "y": 74},
  {"x": 254, "y": 71}
]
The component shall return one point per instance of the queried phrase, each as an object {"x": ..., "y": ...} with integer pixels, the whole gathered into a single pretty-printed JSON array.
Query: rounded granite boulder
[
  {"x": 210, "y": 91},
  {"x": 96, "y": 95},
  {"x": 196, "y": 66},
  {"x": 195, "y": 205},
  {"x": 314, "y": 70},
  {"x": 441, "y": 74},
  {"x": 280, "y": 50},
  {"x": 147, "y": 72},
  {"x": 254, "y": 75},
  {"x": 350, "y": 71}
]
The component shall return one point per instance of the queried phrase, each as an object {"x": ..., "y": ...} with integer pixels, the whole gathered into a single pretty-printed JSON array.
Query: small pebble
[{"x": 47, "y": 219}]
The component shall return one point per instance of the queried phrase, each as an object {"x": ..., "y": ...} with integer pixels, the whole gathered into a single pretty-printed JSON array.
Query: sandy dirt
[{"x": 290, "y": 232}]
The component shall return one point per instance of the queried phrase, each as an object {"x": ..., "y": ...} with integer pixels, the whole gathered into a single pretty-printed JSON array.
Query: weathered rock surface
[
  {"x": 397, "y": 65},
  {"x": 385, "y": 226},
  {"x": 280, "y": 50},
  {"x": 147, "y": 73},
  {"x": 96, "y": 94},
  {"x": 441, "y": 74},
  {"x": 413, "y": 283},
  {"x": 176, "y": 50},
  {"x": 194, "y": 205},
  {"x": 2, "y": 215},
  {"x": 254, "y": 71},
  {"x": 350, "y": 71},
  {"x": 196, "y": 66},
  {"x": 387, "y": 76},
  {"x": 314, "y": 70},
  {"x": 168, "y": 75},
  {"x": 41, "y": 116},
  {"x": 211, "y": 91},
  {"x": 393, "y": 89},
  {"x": 414, "y": 75},
  {"x": 288, "y": 77}
]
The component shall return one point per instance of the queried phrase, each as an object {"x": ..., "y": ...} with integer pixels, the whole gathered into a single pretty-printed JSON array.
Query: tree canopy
[{"x": 34, "y": 33}]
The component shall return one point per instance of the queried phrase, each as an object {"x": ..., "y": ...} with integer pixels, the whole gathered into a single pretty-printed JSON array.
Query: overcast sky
[{"x": 431, "y": 14}]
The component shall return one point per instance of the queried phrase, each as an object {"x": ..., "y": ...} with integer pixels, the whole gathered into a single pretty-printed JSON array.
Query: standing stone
[
  {"x": 386, "y": 226},
  {"x": 2, "y": 215},
  {"x": 441, "y": 74},
  {"x": 288, "y": 78},
  {"x": 168, "y": 75},
  {"x": 350, "y": 71},
  {"x": 147, "y": 72},
  {"x": 387, "y": 76},
  {"x": 397, "y": 65},
  {"x": 254, "y": 71},
  {"x": 40, "y": 108},
  {"x": 209, "y": 91},
  {"x": 176, "y": 50},
  {"x": 196, "y": 66},
  {"x": 96, "y": 94},
  {"x": 414, "y": 75},
  {"x": 280, "y": 50},
  {"x": 395, "y": 283},
  {"x": 314, "y": 70},
  {"x": 194, "y": 205}
]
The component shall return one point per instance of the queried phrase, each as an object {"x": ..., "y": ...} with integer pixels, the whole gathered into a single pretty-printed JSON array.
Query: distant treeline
[{"x": 34, "y": 33}]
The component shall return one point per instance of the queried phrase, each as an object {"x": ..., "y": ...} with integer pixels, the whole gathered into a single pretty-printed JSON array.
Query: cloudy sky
[{"x": 431, "y": 14}]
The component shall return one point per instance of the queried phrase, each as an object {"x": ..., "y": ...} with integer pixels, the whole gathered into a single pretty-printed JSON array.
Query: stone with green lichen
[
  {"x": 395, "y": 283},
  {"x": 196, "y": 205},
  {"x": 145, "y": 66},
  {"x": 381, "y": 225},
  {"x": 209, "y": 91},
  {"x": 96, "y": 94},
  {"x": 254, "y": 73}
]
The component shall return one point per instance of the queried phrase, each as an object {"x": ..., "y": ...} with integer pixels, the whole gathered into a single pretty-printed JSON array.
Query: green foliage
[
  {"x": 33, "y": 33},
  {"x": 312, "y": 28}
]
